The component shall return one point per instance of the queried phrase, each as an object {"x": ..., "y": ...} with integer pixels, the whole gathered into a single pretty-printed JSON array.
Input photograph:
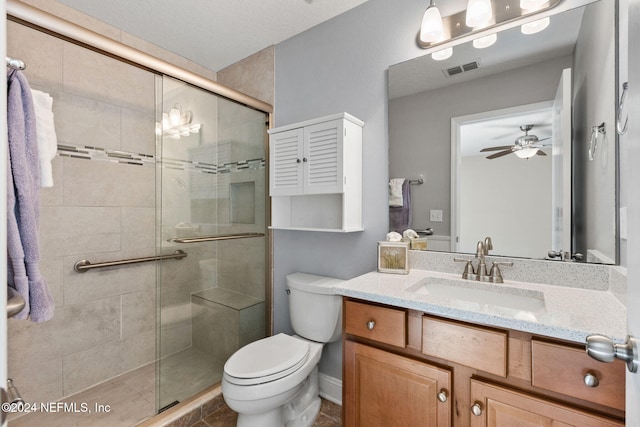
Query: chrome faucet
[{"x": 480, "y": 272}]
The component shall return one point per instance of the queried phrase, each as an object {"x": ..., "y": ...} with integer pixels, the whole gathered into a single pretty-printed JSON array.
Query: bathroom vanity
[{"x": 429, "y": 348}]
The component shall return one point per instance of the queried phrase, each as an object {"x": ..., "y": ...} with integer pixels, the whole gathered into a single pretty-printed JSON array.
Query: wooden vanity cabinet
[
  {"x": 383, "y": 388},
  {"x": 406, "y": 368}
]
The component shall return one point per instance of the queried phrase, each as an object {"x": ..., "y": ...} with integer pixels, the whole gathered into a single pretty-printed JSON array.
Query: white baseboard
[{"x": 330, "y": 388}]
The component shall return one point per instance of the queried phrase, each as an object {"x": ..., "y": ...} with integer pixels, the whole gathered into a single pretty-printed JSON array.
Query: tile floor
[
  {"x": 330, "y": 416},
  {"x": 131, "y": 399}
]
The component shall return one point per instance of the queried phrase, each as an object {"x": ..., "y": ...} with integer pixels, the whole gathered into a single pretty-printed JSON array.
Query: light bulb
[
  {"x": 485, "y": 41},
  {"x": 535, "y": 26},
  {"x": 479, "y": 13},
  {"x": 531, "y": 5},
  {"x": 443, "y": 54},
  {"x": 431, "y": 29}
]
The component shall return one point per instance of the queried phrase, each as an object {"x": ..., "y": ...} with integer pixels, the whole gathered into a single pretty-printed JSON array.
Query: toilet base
[
  {"x": 301, "y": 411},
  {"x": 304, "y": 408}
]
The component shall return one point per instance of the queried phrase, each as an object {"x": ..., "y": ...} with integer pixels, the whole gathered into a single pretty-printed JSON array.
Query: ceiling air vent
[{"x": 459, "y": 69}]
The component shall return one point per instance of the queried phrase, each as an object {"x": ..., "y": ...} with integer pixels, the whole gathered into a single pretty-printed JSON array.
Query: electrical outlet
[{"x": 435, "y": 215}]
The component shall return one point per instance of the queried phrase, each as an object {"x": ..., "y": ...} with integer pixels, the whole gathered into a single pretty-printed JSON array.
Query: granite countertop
[{"x": 567, "y": 313}]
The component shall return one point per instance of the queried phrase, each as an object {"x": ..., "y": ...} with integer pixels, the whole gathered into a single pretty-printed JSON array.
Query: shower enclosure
[
  {"x": 147, "y": 165},
  {"x": 211, "y": 204}
]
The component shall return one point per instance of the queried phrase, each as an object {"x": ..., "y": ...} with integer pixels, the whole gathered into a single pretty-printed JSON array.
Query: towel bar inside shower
[
  {"x": 84, "y": 265},
  {"x": 216, "y": 237}
]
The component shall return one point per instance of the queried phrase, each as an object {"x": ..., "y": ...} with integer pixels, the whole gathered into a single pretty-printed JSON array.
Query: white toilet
[{"x": 273, "y": 382}]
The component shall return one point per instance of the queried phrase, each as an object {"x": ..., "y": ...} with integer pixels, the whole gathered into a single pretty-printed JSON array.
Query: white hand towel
[
  {"x": 395, "y": 192},
  {"x": 46, "y": 135}
]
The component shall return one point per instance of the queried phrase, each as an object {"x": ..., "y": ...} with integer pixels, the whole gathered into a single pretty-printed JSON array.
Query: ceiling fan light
[
  {"x": 526, "y": 153},
  {"x": 479, "y": 13},
  {"x": 485, "y": 41},
  {"x": 443, "y": 54},
  {"x": 431, "y": 29},
  {"x": 535, "y": 26}
]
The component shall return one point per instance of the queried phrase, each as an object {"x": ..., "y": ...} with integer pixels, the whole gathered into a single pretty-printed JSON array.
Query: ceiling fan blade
[
  {"x": 500, "y": 154},
  {"x": 503, "y": 147},
  {"x": 541, "y": 153}
]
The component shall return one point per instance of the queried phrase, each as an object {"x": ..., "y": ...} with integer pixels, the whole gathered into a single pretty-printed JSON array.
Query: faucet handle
[
  {"x": 495, "y": 273},
  {"x": 468, "y": 272}
]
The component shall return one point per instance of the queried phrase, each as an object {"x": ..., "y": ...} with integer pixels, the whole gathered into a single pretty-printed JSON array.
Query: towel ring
[
  {"x": 593, "y": 141},
  {"x": 621, "y": 127}
]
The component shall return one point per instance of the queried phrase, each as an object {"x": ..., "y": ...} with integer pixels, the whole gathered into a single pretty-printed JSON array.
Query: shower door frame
[{"x": 42, "y": 21}]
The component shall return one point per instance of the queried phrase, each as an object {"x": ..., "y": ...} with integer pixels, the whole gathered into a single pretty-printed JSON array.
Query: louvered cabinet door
[
  {"x": 323, "y": 159},
  {"x": 285, "y": 174}
]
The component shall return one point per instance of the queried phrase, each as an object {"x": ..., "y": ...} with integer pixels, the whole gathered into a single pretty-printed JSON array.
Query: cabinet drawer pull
[
  {"x": 443, "y": 395},
  {"x": 371, "y": 324},
  {"x": 590, "y": 380},
  {"x": 476, "y": 409}
]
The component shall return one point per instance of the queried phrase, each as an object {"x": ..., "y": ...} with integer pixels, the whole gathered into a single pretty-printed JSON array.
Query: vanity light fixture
[
  {"x": 479, "y": 13},
  {"x": 479, "y": 16},
  {"x": 443, "y": 54},
  {"x": 486, "y": 41},
  {"x": 431, "y": 29},
  {"x": 535, "y": 26}
]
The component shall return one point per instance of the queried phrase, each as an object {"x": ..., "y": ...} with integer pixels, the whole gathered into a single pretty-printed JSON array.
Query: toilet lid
[{"x": 266, "y": 360}]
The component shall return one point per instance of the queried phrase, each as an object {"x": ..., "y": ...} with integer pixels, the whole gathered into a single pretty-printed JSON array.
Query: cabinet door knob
[
  {"x": 304, "y": 159},
  {"x": 591, "y": 380},
  {"x": 443, "y": 395},
  {"x": 371, "y": 324},
  {"x": 298, "y": 161},
  {"x": 476, "y": 409}
]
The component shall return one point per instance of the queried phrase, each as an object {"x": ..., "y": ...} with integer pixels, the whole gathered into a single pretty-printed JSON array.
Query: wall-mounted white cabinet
[{"x": 315, "y": 174}]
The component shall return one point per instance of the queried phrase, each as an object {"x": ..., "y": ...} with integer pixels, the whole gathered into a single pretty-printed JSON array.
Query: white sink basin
[{"x": 481, "y": 293}]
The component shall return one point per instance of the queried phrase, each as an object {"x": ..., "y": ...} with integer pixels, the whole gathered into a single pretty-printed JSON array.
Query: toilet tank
[{"x": 314, "y": 310}]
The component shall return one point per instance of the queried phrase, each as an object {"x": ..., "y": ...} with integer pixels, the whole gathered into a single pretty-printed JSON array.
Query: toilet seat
[{"x": 266, "y": 360}]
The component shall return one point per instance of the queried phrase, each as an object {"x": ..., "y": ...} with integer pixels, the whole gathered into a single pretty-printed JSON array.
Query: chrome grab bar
[
  {"x": 84, "y": 265},
  {"x": 215, "y": 238},
  {"x": 15, "y": 302}
]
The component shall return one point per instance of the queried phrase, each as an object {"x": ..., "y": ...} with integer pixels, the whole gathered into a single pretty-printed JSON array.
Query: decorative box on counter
[{"x": 393, "y": 257}]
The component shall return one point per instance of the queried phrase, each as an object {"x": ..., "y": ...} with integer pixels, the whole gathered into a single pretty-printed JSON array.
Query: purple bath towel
[
  {"x": 400, "y": 217},
  {"x": 23, "y": 202}
]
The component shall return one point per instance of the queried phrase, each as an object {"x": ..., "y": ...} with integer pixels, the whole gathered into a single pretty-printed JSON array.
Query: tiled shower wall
[{"x": 104, "y": 321}]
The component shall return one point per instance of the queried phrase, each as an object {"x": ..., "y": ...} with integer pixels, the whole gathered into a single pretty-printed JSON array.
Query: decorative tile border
[{"x": 118, "y": 156}]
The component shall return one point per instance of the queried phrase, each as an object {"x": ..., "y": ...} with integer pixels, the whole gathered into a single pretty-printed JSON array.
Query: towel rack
[
  {"x": 215, "y": 238},
  {"x": 15, "y": 63},
  {"x": 84, "y": 265}
]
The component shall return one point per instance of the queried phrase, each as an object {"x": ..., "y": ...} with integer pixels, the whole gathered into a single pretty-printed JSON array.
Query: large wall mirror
[{"x": 515, "y": 141}]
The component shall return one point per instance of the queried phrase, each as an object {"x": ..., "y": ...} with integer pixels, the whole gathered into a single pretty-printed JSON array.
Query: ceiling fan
[{"x": 525, "y": 146}]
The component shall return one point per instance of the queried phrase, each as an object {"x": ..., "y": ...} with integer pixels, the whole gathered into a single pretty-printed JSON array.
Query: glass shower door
[{"x": 212, "y": 205}]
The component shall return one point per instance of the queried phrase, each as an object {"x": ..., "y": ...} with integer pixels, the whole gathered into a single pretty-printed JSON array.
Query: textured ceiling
[{"x": 213, "y": 33}]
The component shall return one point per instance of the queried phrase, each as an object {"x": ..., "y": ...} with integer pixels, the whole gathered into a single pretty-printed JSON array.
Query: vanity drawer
[
  {"x": 563, "y": 369},
  {"x": 480, "y": 348},
  {"x": 386, "y": 325}
]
